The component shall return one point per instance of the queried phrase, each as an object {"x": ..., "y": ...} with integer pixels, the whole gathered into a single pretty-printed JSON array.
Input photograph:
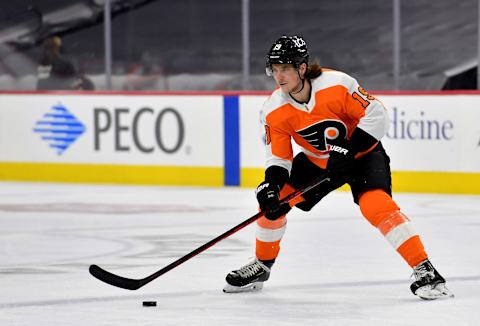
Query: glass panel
[
  {"x": 178, "y": 45},
  {"x": 39, "y": 47},
  {"x": 352, "y": 36},
  {"x": 438, "y": 38},
  {"x": 197, "y": 45}
]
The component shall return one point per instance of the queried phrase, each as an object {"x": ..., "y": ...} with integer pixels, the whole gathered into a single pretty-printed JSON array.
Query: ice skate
[
  {"x": 429, "y": 284},
  {"x": 248, "y": 278}
]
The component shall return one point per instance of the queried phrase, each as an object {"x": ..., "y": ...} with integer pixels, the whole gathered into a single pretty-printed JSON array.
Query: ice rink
[{"x": 334, "y": 268}]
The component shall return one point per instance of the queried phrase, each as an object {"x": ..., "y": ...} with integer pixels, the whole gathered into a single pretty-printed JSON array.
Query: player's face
[{"x": 286, "y": 76}]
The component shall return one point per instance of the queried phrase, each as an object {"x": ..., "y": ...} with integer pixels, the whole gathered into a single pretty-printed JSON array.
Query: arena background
[
  {"x": 199, "y": 45},
  {"x": 130, "y": 136},
  {"x": 149, "y": 79}
]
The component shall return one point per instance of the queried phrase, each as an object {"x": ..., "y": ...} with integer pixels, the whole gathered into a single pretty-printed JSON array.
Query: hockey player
[{"x": 338, "y": 126}]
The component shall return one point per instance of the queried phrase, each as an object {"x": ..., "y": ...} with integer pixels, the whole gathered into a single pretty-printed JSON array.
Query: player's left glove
[{"x": 340, "y": 163}]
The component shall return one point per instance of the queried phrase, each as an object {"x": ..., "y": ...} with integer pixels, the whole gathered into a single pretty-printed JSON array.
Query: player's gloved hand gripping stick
[
  {"x": 134, "y": 284},
  {"x": 342, "y": 156}
]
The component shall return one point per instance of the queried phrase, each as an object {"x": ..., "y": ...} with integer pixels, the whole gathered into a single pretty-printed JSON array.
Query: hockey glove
[
  {"x": 268, "y": 192},
  {"x": 342, "y": 156},
  {"x": 340, "y": 164},
  {"x": 268, "y": 196}
]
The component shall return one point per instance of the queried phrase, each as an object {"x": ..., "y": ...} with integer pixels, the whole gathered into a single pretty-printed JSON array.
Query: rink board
[
  {"x": 215, "y": 139},
  {"x": 433, "y": 142},
  {"x": 131, "y": 139}
]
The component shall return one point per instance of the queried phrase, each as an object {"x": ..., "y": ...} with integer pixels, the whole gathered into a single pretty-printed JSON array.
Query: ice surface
[{"x": 334, "y": 268}]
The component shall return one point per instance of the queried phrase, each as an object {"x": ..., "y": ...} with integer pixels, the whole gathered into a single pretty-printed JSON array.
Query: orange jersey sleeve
[{"x": 277, "y": 140}]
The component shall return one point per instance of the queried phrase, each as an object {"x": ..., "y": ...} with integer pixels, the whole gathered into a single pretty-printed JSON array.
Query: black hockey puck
[{"x": 149, "y": 303}]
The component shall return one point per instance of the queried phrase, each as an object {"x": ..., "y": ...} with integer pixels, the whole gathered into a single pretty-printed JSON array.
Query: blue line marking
[{"x": 232, "y": 140}]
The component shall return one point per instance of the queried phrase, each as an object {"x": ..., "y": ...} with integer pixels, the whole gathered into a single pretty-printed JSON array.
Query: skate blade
[
  {"x": 438, "y": 291},
  {"x": 253, "y": 287}
]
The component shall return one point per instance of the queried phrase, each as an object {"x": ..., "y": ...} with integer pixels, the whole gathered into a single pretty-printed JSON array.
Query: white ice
[{"x": 334, "y": 267}]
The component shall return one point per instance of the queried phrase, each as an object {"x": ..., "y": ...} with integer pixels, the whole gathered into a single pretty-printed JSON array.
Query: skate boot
[
  {"x": 248, "y": 278},
  {"x": 429, "y": 284}
]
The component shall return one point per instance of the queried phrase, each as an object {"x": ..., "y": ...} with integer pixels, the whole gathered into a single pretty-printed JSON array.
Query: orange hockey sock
[
  {"x": 383, "y": 213},
  {"x": 413, "y": 251},
  {"x": 269, "y": 233},
  {"x": 267, "y": 250}
]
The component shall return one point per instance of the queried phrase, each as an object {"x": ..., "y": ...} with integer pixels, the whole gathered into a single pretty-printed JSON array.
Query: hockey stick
[{"x": 134, "y": 284}]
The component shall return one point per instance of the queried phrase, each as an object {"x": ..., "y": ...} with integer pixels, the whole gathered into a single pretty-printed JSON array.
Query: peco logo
[
  {"x": 146, "y": 130},
  {"x": 59, "y": 128},
  {"x": 416, "y": 126}
]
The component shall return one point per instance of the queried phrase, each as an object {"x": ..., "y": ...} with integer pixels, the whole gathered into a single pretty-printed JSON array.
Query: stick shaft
[{"x": 134, "y": 284}]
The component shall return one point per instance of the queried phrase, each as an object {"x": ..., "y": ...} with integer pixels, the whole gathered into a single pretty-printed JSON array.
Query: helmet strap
[{"x": 303, "y": 84}]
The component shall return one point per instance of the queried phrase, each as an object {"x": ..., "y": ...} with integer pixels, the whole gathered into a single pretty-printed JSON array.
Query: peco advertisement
[
  {"x": 134, "y": 130},
  {"x": 214, "y": 140}
]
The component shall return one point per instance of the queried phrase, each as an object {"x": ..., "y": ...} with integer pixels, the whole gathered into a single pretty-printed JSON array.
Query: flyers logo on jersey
[{"x": 319, "y": 134}]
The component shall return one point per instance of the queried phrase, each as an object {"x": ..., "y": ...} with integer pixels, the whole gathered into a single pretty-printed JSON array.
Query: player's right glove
[
  {"x": 268, "y": 192},
  {"x": 268, "y": 196}
]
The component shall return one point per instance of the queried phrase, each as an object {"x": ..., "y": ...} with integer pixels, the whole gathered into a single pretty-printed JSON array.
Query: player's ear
[{"x": 302, "y": 69}]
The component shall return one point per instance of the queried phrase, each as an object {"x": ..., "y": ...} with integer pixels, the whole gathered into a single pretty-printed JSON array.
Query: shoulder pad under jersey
[{"x": 330, "y": 78}]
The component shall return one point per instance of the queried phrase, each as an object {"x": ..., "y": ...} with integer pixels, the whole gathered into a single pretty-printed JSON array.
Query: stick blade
[{"x": 115, "y": 280}]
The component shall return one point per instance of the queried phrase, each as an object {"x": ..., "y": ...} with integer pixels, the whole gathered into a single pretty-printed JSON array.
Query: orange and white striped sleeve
[
  {"x": 372, "y": 115},
  {"x": 278, "y": 145}
]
